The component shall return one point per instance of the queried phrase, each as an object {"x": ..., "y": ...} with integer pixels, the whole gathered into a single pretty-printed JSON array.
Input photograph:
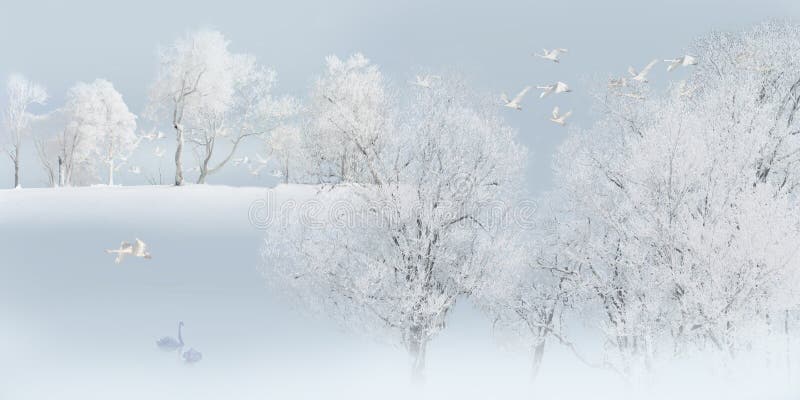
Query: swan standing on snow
[
  {"x": 641, "y": 76},
  {"x": 191, "y": 356},
  {"x": 560, "y": 119},
  {"x": 137, "y": 249},
  {"x": 515, "y": 103},
  {"x": 423, "y": 81},
  {"x": 558, "y": 87},
  {"x": 551, "y": 55},
  {"x": 683, "y": 61},
  {"x": 169, "y": 343}
]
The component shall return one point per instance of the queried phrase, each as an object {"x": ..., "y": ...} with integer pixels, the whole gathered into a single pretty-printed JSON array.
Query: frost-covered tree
[
  {"x": 21, "y": 94},
  {"x": 193, "y": 79},
  {"x": 680, "y": 208},
  {"x": 93, "y": 128},
  {"x": 350, "y": 115},
  {"x": 394, "y": 253},
  {"x": 210, "y": 93},
  {"x": 284, "y": 147},
  {"x": 530, "y": 294},
  {"x": 100, "y": 113}
]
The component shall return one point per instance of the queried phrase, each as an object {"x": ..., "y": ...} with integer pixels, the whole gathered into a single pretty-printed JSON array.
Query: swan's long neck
[{"x": 180, "y": 338}]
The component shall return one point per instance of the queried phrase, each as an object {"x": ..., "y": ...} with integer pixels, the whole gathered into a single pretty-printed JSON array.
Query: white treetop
[
  {"x": 102, "y": 117},
  {"x": 350, "y": 116}
]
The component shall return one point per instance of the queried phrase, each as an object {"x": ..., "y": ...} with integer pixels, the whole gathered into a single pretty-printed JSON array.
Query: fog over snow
[{"x": 433, "y": 200}]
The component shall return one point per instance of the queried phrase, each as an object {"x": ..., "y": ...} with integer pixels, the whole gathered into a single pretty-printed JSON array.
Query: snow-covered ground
[{"x": 73, "y": 325}]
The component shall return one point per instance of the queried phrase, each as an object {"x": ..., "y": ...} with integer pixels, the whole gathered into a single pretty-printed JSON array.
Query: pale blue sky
[{"x": 60, "y": 42}]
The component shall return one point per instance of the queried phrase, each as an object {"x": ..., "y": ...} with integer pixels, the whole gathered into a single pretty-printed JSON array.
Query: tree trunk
[
  {"x": 17, "y": 183},
  {"x": 204, "y": 168},
  {"x": 418, "y": 362},
  {"x": 178, "y": 154},
  {"x": 536, "y": 361},
  {"x": 111, "y": 172},
  {"x": 60, "y": 171}
]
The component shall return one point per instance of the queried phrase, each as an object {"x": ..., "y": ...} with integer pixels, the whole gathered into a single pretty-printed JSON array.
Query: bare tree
[{"x": 21, "y": 93}]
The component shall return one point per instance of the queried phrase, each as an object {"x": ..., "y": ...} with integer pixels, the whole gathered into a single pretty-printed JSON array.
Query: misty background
[{"x": 74, "y": 325}]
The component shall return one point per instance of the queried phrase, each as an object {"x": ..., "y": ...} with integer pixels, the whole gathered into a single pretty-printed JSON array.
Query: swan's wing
[
  {"x": 555, "y": 112},
  {"x": 632, "y": 71},
  {"x": 673, "y": 64},
  {"x": 521, "y": 94},
  {"x": 561, "y": 87},
  {"x": 689, "y": 60},
  {"x": 561, "y": 50},
  {"x": 504, "y": 97},
  {"x": 648, "y": 67}
]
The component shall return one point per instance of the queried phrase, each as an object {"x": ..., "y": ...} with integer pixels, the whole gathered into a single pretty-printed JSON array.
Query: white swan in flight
[
  {"x": 159, "y": 152},
  {"x": 191, "y": 356},
  {"x": 240, "y": 161},
  {"x": 256, "y": 170},
  {"x": 641, "y": 76},
  {"x": 154, "y": 135},
  {"x": 424, "y": 81},
  {"x": 682, "y": 61},
  {"x": 634, "y": 96},
  {"x": 261, "y": 160},
  {"x": 560, "y": 119},
  {"x": 551, "y": 55},
  {"x": 169, "y": 343},
  {"x": 617, "y": 83},
  {"x": 558, "y": 87},
  {"x": 137, "y": 249},
  {"x": 515, "y": 103}
]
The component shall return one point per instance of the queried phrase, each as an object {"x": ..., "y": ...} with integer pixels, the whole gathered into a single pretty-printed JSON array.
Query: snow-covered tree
[
  {"x": 284, "y": 147},
  {"x": 193, "y": 79},
  {"x": 394, "y": 253},
  {"x": 350, "y": 115},
  {"x": 100, "y": 113},
  {"x": 21, "y": 94},
  {"x": 210, "y": 93},
  {"x": 680, "y": 209}
]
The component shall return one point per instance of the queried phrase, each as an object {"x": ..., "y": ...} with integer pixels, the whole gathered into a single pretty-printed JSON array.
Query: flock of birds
[
  {"x": 554, "y": 55},
  {"x": 166, "y": 343}
]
